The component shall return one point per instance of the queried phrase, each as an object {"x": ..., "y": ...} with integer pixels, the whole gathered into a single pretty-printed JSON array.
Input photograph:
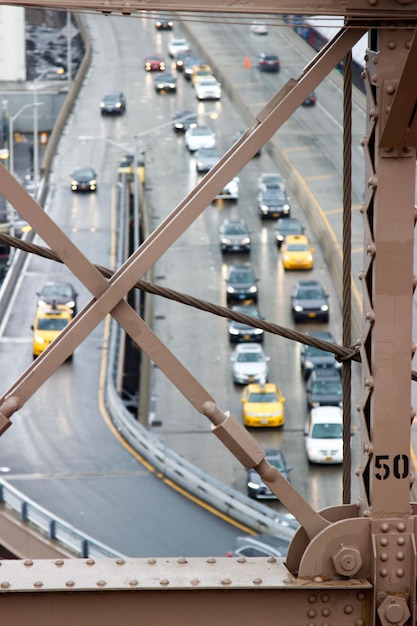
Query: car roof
[
  {"x": 267, "y": 387},
  {"x": 296, "y": 239},
  {"x": 248, "y": 347},
  {"x": 326, "y": 414},
  {"x": 324, "y": 373},
  {"x": 325, "y": 335}
]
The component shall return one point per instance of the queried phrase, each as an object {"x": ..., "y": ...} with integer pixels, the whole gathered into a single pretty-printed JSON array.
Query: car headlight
[
  {"x": 118, "y": 105},
  {"x": 230, "y": 289},
  {"x": 233, "y": 330},
  {"x": 309, "y": 365},
  {"x": 102, "y": 105},
  {"x": 286, "y": 208},
  {"x": 298, "y": 308},
  {"x": 70, "y": 303},
  {"x": 315, "y": 404},
  {"x": 252, "y": 485},
  {"x": 251, "y": 414},
  {"x": 245, "y": 241},
  {"x": 162, "y": 66},
  {"x": 264, "y": 208},
  {"x": 325, "y": 307},
  {"x": 93, "y": 182},
  {"x": 74, "y": 183},
  {"x": 258, "y": 331},
  {"x": 280, "y": 237},
  {"x": 253, "y": 289},
  {"x": 39, "y": 339},
  {"x": 225, "y": 240}
]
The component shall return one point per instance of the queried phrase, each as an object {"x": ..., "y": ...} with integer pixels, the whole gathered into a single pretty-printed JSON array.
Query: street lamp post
[
  {"x": 12, "y": 119},
  {"x": 35, "y": 82}
]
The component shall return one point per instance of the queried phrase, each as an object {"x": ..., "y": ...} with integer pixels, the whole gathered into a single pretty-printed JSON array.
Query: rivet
[
  {"x": 241, "y": 559},
  {"x": 101, "y": 583},
  {"x": 401, "y": 541},
  {"x": 401, "y": 527},
  {"x": 373, "y": 2},
  {"x": 369, "y": 382},
  {"x": 182, "y": 559},
  {"x": 360, "y": 595},
  {"x": 38, "y": 583},
  {"x": 363, "y": 141},
  {"x": 120, "y": 561},
  {"x": 164, "y": 581},
  {"x": 384, "y": 527},
  {"x": 257, "y": 581},
  {"x": 311, "y": 613},
  {"x": 211, "y": 559},
  {"x": 408, "y": 44},
  {"x": 374, "y": 79},
  {"x": 325, "y": 597},
  {"x": 414, "y": 345},
  {"x": 151, "y": 561},
  {"x": 359, "y": 622},
  {"x": 318, "y": 579},
  {"x": 384, "y": 556},
  {"x": 348, "y": 609},
  {"x": 226, "y": 581},
  {"x": 363, "y": 75},
  {"x": 195, "y": 582},
  {"x": 383, "y": 541},
  {"x": 383, "y": 572},
  {"x": 361, "y": 275},
  {"x": 133, "y": 582},
  {"x": 400, "y": 556},
  {"x": 5, "y": 585},
  {"x": 407, "y": 149},
  {"x": 400, "y": 572},
  {"x": 325, "y": 612},
  {"x": 392, "y": 45},
  {"x": 312, "y": 598},
  {"x": 69, "y": 583},
  {"x": 28, "y": 562},
  {"x": 59, "y": 562},
  {"x": 90, "y": 561},
  {"x": 375, "y": 60},
  {"x": 271, "y": 559}
]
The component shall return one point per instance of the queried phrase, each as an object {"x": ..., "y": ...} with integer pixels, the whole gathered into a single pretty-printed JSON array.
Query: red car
[{"x": 154, "y": 63}]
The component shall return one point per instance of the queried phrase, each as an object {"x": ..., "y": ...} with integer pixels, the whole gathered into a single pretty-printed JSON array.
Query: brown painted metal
[{"x": 353, "y": 564}]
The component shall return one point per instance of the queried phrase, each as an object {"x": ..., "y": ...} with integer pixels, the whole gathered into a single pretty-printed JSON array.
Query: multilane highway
[{"x": 60, "y": 450}]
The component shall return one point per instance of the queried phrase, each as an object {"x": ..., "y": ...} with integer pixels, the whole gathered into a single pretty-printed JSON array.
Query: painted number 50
[{"x": 399, "y": 466}]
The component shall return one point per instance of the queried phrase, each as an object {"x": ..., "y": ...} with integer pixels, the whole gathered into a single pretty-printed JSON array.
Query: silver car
[{"x": 249, "y": 364}]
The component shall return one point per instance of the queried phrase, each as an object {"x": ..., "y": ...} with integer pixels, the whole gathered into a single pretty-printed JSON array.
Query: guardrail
[{"x": 52, "y": 527}]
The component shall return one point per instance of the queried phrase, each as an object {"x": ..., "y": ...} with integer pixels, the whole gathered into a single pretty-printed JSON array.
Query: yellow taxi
[
  {"x": 297, "y": 253},
  {"x": 262, "y": 405},
  {"x": 50, "y": 321},
  {"x": 200, "y": 71}
]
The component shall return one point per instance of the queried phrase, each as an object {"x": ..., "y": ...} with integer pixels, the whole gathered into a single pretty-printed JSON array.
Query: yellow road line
[
  {"x": 322, "y": 177},
  {"x": 111, "y": 426}
]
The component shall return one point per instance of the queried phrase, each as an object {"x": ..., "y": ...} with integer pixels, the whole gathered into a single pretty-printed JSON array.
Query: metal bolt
[
  {"x": 101, "y": 583},
  {"x": 347, "y": 561}
]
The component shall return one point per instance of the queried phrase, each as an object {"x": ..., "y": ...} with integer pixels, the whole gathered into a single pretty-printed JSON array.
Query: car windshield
[
  {"x": 235, "y": 230},
  {"x": 327, "y": 431},
  {"x": 277, "y": 462},
  {"x": 310, "y": 294},
  {"x": 84, "y": 173},
  {"x": 325, "y": 387},
  {"x": 297, "y": 247},
  {"x": 52, "y": 323},
  {"x": 250, "y": 357},
  {"x": 266, "y": 397},
  {"x": 290, "y": 227},
  {"x": 241, "y": 277},
  {"x": 313, "y": 351},
  {"x": 57, "y": 290},
  {"x": 201, "y": 130},
  {"x": 274, "y": 194}
]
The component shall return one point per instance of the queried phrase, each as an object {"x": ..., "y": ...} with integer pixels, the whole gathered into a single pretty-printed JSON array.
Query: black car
[
  {"x": 268, "y": 62},
  {"x": 310, "y": 100},
  {"x": 273, "y": 202},
  {"x": 314, "y": 358},
  {"x": 234, "y": 236},
  {"x": 84, "y": 179},
  {"x": 256, "y": 487},
  {"x": 189, "y": 62},
  {"x": 183, "y": 120},
  {"x": 113, "y": 104},
  {"x": 164, "y": 23},
  {"x": 165, "y": 82},
  {"x": 58, "y": 293},
  {"x": 205, "y": 159},
  {"x": 324, "y": 388},
  {"x": 287, "y": 226},
  {"x": 241, "y": 283},
  {"x": 240, "y": 332},
  {"x": 180, "y": 60},
  {"x": 309, "y": 301},
  {"x": 259, "y": 545}
]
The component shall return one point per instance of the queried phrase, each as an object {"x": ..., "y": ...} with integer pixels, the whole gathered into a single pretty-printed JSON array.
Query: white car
[
  {"x": 208, "y": 89},
  {"x": 230, "y": 191},
  {"x": 259, "y": 28},
  {"x": 199, "y": 137},
  {"x": 324, "y": 435},
  {"x": 177, "y": 45},
  {"x": 250, "y": 365}
]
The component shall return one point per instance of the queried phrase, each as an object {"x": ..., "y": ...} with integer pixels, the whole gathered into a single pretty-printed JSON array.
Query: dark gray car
[
  {"x": 324, "y": 388},
  {"x": 309, "y": 302},
  {"x": 313, "y": 358},
  {"x": 234, "y": 236},
  {"x": 256, "y": 487},
  {"x": 241, "y": 284}
]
